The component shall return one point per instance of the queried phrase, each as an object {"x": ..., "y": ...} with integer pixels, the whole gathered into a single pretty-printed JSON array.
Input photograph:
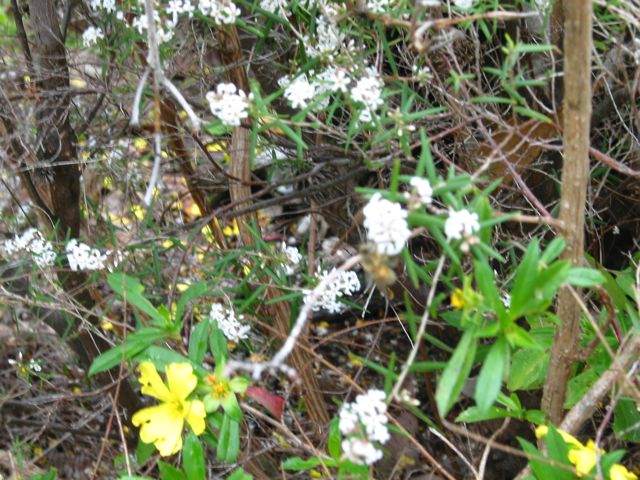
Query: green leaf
[
  {"x": 553, "y": 250},
  {"x": 584, "y": 277},
  {"x": 474, "y": 414},
  {"x": 334, "y": 443},
  {"x": 528, "y": 369},
  {"x": 542, "y": 470},
  {"x": 198, "y": 341},
  {"x": 579, "y": 385},
  {"x": 490, "y": 378},
  {"x": 131, "y": 290},
  {"x": 298, "y": 464},
  {"x": 239, "y": 474},
  {"x": 169, "y": 472},
  {"x": 523, "y": 284},
  {"x": 144, "y": 451},
  {"x": 558, "y": 450},
  {"x": 455, "y": 373},
  {"x": 136, "y": 343},
  {"x": 193, "y": 458},
  {"x": 229, "y": 440},
  {"x": 231, "y": 407},
  {"x": 626, "y": 423},
  {"x": 194, "y": 291},
  {"x": 218, "y": 345}
]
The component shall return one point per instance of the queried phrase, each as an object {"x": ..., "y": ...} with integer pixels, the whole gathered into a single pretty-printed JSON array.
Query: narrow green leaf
[
  {"x": 193, "y": 458},
  {"x": 298, "y": 464},
  {"x": 490, "y": 378},
  {"x": 169, "y": 472},
  {"x": 456, "y": 373},
  {"x": 198, "y": 341},
  {"x": 584, "y": 277}
]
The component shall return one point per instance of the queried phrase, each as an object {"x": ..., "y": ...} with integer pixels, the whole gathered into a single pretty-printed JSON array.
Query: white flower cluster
[
  {"x": 422, "y": 189},
  {"x": 31, "y": 241},
  {"x": 229, "y": 104},
  {"x": 228, "y": 323},
  {"x": 178, "y": 7},
  {"x": 461, "y": 224},
  {"x": 345, "y": 283},
  {"x": 300, "y": 92},
  {"x": 91, "y": 36},
  {"x": 463, "y": 4},
  {"x": 222, "y": 11},
  {"x": 328, "y": 37},
  {"x": 107, "y": 5},
  {"x": 164, "y": 28},
  {"x": 386, "y": 224},
  {"x": 293, "y": 258},
  {"x": 272, "y": 6},
  {"x": 364, "y": 422},
  {"x": 368, "y": 92},
  {"x": 378, "y": 6},
  {"x": 82, "y": 257}
]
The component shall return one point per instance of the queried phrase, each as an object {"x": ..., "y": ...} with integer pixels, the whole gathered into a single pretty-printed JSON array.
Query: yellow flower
[
  {"x": 570, "y": 440},
  {"x": 162, "y": 424},
  {"x": 619, "y": 472},
  {"x": 585, "y": 457},
  {"x": 457, "y": 299}
]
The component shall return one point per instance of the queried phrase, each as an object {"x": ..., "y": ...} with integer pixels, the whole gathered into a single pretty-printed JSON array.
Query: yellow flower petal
[
  {"x": 181, "y": 380},
  {"x": 152, "y": 384},
  {"x": 457, "y": 299},
  {"x": 195, "y": 415},
  {"x": 161, "y": 425},
  {"x": 584, "y": 457},
  {"x": 619, "y": 472},
  {"x": 570, "y": 440}
]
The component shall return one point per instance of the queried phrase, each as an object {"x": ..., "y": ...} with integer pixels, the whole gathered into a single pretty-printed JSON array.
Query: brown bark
[
  {"x": 575, "y": 175},
  {"x": 56, "y": 150}
]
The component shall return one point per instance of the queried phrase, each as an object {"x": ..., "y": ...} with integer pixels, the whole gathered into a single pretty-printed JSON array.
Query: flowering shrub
[{"x": 232, "y": 149}]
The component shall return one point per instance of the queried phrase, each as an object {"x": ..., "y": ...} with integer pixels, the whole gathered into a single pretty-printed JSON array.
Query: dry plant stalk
[
  {"x": 240, "y": 192},
  {"x": 575, "y": 175}
]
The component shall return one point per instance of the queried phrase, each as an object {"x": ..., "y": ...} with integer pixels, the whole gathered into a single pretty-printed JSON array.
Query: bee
[{"x": 379, "y": 268}]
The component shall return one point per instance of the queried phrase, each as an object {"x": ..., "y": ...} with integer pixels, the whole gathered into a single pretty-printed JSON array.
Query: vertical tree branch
[
  {"x": 231, "y": 53},
  {"x": 575, "y": 176},
  {"x": 57, "y": 149}
]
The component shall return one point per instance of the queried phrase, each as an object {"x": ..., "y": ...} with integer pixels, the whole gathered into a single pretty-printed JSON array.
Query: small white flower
[
  {"x": 368, "y": 92},
  {"x": 386, "y": 225},
  {"x": 506, "y": 300},
  {"x": 334, "y": 79},
  {"x": 299, "y": 92},
  {"x": 82, "y": 257},
  {"x": 31, "y": 241},
  {"x": 293, "y": 258},
  {"x": 463, "y": 4},
  {"x": 229, "y": 104},
  {"x": 91, "y": 35},
  {"x": 461, "y": 224},
  {"x": 378, "y": 6},
  {"x": 344, "y": 284},
  {"x": 423, "y": 189},
  {"x": 227, "y": 322},
  {"x": 363, "y": 422},
  {"x": 361, "y": 451},
  {"x": 272, "y": 6},
  {"x": 616, "y": 230}
]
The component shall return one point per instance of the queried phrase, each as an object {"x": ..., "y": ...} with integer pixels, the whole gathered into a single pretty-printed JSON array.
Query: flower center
[{"x": 219, "y": 388}]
